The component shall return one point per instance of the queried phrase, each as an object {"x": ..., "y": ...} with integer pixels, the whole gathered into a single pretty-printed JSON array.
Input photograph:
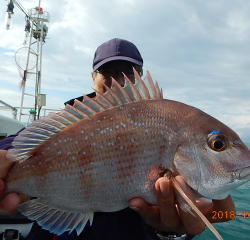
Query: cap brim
[{"x": 117, "y": 58}]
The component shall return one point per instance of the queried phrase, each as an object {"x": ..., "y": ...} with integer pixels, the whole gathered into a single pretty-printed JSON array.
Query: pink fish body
[{"x": 99, "y": 154}]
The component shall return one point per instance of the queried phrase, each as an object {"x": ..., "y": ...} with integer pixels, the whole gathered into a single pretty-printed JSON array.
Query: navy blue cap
[{"x": 116, "y": 49}]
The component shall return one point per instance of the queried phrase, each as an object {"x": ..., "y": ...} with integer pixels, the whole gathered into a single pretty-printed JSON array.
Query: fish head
[{"x": 212, "y": 158}]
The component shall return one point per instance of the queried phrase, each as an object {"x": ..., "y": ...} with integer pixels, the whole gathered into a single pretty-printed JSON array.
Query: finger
[
  {"x": 4, "y": 165},
  {"x": 205, "y": 206},
  {"x": 4, "y": 204},
  {"x": 212, "y": 209},
  {"x": 226, "y": 206},
  {"x": 9, "y": 203},
  {"x": 192, "y": 222},
  {"x": 170, "y": 220},
  {"x": 148, "y": 212}
]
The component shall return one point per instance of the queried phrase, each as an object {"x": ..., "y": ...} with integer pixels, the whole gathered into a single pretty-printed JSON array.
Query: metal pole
[
  {"x": 40, "y": 57},
  {"x": 38, "y": 62},
  {"x": 37, "y": 75},
  {"x": 14, "y": 113},
  {"x": 27, "y": 63},
  {"x": 21, "y": 106},
  {"x": 41, "y": 43}
]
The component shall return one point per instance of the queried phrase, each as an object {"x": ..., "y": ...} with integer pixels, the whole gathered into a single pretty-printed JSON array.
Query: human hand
[
  {"x": 167, "y": 217},
  {"x": 12, "y": 200}
]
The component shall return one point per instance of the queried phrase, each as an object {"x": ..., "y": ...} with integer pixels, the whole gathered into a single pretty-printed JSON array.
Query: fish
[{"x": 98, "y": 154}]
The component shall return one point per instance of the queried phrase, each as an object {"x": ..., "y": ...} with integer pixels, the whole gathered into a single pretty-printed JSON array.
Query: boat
[{"x": 9, "y": 126}]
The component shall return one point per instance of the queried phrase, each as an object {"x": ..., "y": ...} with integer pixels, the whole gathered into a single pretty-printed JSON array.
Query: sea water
[{"x": 239, "y": 227}]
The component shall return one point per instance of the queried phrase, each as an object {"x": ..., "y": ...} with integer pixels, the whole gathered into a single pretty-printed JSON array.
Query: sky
[{"x": 198, "y": 51}]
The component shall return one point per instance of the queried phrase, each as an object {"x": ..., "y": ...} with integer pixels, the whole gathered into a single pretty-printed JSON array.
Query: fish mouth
[{"x": 241, "y": 174}]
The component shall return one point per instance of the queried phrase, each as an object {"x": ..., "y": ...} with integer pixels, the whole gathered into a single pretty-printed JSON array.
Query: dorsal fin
[
  {"x": 105, "y": 102},
  {"x": 112, "y": 96},
  {"x": 45, "y": 128},
  {"x": 140, "y": 86},
  {"x": 96, "y": 106},
  {"x": 150, "y": 86},
  {"x": 120, "y": 92},
  {"x": 131, "y": 90}
]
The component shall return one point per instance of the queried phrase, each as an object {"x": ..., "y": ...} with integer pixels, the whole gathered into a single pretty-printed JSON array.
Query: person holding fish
[{"x": 140, "y": 220}]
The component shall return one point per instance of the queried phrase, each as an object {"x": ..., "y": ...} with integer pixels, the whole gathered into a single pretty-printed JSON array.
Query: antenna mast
[{"x": 37, "y": 30}]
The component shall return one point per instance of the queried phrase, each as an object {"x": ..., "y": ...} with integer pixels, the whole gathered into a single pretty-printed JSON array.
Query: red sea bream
[{"x": 100, "y": 153}]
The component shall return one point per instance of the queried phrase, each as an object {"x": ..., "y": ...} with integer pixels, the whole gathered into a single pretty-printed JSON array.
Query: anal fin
[{"x": 55, "y": 220}]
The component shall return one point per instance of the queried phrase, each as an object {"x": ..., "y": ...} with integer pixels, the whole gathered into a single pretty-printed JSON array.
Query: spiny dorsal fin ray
[
  {"x": 97, "y": 107},
  {"x": 30, "y": 140},
  {"x": 60, "y": 119},
  {"x": 52, "y": 122},
  {"x": 112, "y": 96},
  {"x": 105, "y": 102},
  {"x": 157, "y": 90},
  {"x": 120, "y": 92},
  {"x": 140, "y": 86},
  {"x": 45, "y": 128},
  {"x": 76, "y": 112},
  {"x": 40, "y": 130},
  {"x": 131, "y": 90},
  {"x": 69, "y": 116},
  {"x": 148, "y": 81}
]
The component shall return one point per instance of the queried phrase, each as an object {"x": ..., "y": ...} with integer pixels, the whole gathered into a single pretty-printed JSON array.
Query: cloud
[
  {"x": 9, "y": 54},
  {"x": 198, "y": 51}
]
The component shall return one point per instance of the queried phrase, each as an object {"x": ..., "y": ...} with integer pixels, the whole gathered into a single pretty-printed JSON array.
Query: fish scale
[
  {"x": 100, "y": 153},
  {"x": 91, "y": 170}
]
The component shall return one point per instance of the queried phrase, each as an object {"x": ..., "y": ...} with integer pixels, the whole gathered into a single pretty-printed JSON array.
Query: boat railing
[
  {"x": 43, "y": 111},
  {"x": 8, "y": 107}
]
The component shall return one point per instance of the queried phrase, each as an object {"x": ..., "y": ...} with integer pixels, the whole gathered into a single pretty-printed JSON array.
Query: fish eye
[{"x": 217, "y": 142}]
